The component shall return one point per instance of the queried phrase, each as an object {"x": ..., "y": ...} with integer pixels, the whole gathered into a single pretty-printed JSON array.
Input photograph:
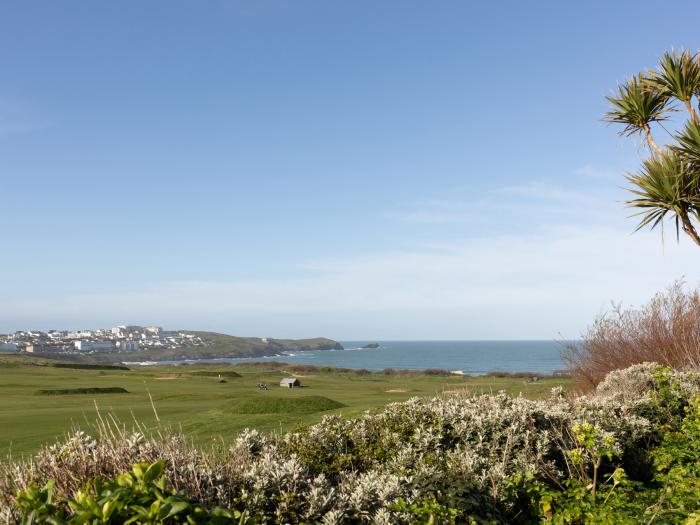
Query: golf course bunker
[
  {"x": 281, "y": 405},
  {"x": 397, "y": 390}
]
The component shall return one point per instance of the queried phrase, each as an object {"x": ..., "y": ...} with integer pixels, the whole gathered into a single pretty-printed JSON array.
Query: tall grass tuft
[{"x": 665, "y": 331}]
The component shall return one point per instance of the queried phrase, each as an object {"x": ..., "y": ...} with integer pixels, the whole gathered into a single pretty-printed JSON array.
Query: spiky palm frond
[
  {"x": 636, "y": 106},
  {"x": 666, "y": 185},
  {"x": 678, "y": 75},
  {"x": 689, "y": 142}
]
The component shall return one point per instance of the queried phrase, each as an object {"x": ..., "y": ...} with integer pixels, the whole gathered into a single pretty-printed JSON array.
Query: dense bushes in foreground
[{"x": 628, "y": 454}]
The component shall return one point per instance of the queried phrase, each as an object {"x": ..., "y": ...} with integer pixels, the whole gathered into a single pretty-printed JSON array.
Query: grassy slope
[{"x": 200, "y": 405}]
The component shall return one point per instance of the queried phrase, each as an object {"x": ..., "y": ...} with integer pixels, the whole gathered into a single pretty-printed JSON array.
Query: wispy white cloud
[
  {"x": 535, "y": 201},
  {"x": 594, "y": 172},
  {"x": 540, "y": 190},
  {"x": 488, "y": 287},
  {"x": 440, "y": 212},
  {"x": 439, "y": 217}
]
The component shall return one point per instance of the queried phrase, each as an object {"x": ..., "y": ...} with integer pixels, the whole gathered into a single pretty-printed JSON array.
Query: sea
[{"x": 468, "y": 357}]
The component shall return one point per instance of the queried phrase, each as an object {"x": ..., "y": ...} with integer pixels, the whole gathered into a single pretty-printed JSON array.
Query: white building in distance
[
  {"x": 128, "y": 346},
  {"x": 91, "y": 346}
]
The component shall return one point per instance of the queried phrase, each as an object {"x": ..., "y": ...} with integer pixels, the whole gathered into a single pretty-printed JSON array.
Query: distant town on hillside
[{"x": 121, "y": 338}]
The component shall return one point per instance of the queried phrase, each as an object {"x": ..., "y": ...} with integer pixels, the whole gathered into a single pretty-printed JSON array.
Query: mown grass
[
  {"x": 299, "y": 405},
  {"x": 201, "y": 406}
]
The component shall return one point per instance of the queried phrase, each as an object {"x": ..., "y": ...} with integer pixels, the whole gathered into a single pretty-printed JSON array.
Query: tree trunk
[
  {"x": 689, "y": 229},
  {"x": 651, "y": 140},
  {"x": 691, "y": 110}
]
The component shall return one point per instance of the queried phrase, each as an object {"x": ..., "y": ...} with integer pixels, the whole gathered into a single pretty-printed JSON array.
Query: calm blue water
[{"x": 472, "y": 357}]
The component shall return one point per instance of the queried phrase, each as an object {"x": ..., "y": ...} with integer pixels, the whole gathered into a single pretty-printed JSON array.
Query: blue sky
[{"x": 351, "y": 169}]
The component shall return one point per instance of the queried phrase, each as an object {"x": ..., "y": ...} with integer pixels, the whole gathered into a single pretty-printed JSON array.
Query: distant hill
[
  {"x": 216, "y": 346},
  {"x": 223, "y": 345}
]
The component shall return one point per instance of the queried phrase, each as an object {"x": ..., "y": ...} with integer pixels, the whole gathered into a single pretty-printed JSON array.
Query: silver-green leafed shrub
[{"x": 633, "y": 384}]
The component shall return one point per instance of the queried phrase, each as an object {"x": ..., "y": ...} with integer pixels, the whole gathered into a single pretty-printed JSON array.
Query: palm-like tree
[
  {"x": 668, "y": 184},
  {"x": 636, "y": 107},
  {"x": 678, "y": 76},
  {"x": 689, "y": 142}
]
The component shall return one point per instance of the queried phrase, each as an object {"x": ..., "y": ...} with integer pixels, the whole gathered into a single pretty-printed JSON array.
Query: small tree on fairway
[{"x": 668, "y": 183}]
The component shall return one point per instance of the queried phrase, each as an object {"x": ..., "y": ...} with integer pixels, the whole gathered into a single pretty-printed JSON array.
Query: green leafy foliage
[
  {"x": 635, "y": 106},
  {"x": 688, "y": 146},
  {"x": 430, "y": 512},
  {"x": 678, "y": 76},
  {"x": 139, "y": 496},
  {"x": 677, "y": 468},
  {"x": 670, "y": 495},
  {"x": 666, "y": 185}
]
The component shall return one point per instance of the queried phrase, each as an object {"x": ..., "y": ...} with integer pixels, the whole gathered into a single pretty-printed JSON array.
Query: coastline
[{"x": 468, "y": 357}]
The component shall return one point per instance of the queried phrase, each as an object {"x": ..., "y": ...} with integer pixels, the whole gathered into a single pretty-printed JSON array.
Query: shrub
[
  {"x": 85, "y": 390},
  {"x": 677, "y": 463},
  {"x": 670, "y": 496},
  {"x": 665, "y": 331},
  {"x": 436, "y": 372},
  {"x": 88, "y": 366},
  {"x": 640, "y": 382}
]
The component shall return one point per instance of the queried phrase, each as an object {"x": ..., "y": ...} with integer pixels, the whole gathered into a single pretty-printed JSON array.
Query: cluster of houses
[{"x": 121, "y": 338}]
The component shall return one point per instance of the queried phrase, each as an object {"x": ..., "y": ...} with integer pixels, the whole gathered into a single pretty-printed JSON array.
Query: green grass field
[{"x": 192, "y": 398}]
